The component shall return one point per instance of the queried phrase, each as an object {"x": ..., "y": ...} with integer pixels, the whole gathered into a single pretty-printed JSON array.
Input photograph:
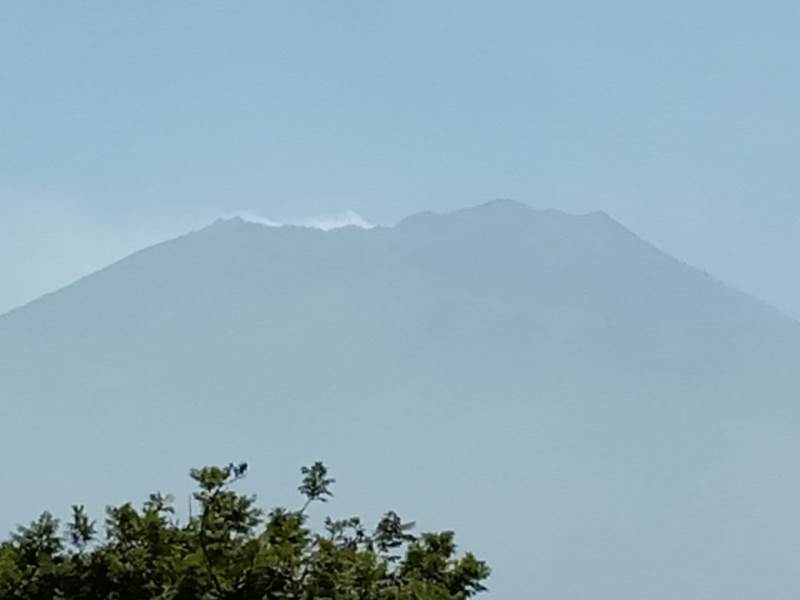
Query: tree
[{"x": 232, "y": 550}]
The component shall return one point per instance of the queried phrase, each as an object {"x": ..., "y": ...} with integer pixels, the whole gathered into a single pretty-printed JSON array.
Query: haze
[{"x": 523, "y": 270}]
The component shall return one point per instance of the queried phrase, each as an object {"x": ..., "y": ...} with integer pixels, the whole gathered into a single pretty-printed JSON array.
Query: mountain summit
[{"x": 580, "y": 406}]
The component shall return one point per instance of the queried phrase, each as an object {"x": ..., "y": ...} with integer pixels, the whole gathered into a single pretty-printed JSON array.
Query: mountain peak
[
  {"x": 504, "y": 211},
  {"x": 227, "y": 223},
  {"x": 502, "y": 204}
]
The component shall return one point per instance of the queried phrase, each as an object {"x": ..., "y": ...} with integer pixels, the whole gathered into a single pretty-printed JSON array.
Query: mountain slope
[{"x": 626, "y": 422}]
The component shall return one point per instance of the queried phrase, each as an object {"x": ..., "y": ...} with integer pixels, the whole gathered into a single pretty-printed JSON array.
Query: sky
[{"x": 122, "y": 124}]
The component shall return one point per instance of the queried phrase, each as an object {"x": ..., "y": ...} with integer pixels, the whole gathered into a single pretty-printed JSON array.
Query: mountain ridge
[{"x": 503, "y": 207}]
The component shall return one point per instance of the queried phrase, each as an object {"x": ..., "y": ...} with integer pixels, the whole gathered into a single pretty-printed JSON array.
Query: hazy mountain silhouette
[{"x": 595, "y": 418}]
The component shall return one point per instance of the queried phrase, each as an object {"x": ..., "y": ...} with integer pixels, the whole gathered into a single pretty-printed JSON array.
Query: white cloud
[
  {"x": 252, "y": 217},
  {"x": 327, "y": 222},
  {"x": 345, "y": 219}
]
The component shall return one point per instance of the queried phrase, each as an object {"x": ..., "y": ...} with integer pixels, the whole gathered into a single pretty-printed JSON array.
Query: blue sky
[{"x": 122, "y": 123}]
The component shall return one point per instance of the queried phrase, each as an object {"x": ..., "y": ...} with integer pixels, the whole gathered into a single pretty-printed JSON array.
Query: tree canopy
[{"x": 233, "y": 550}]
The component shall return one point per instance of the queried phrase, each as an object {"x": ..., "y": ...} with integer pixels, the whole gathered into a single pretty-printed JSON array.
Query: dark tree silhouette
[{"x": 232, "y": 550}]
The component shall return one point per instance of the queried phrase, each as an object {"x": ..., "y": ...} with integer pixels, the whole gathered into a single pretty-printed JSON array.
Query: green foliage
[
  {"x": 316, "y": 484},
  {"x": 232, "y": 550}
]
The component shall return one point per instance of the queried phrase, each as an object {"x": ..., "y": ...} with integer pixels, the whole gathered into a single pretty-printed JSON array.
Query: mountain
[{"x": 593, "y": 417}]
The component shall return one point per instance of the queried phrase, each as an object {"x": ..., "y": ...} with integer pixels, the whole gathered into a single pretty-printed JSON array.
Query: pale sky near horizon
[{"x": 125, "y": 123}]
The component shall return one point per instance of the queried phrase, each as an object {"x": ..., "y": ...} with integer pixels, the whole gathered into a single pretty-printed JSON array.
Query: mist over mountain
[{"x": 579, "y": 406}]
